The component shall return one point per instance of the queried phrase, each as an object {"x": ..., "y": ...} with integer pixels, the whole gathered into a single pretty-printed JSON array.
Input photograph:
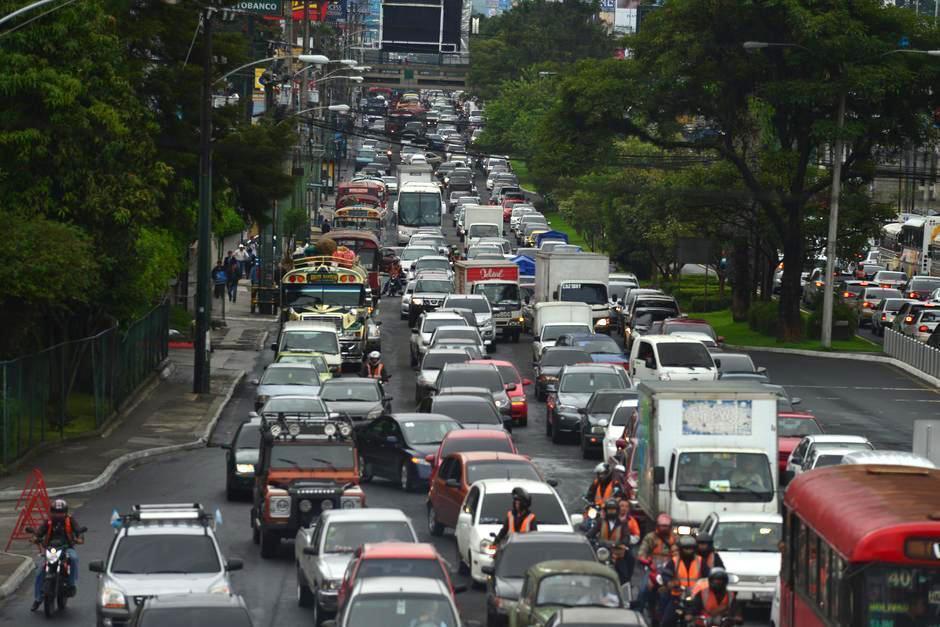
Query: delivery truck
[
  {"x": 703, "y": 447},
  {"x": 482, "y": 221},
  {"x": 551, "y": 320},
  {"x": 417, "y": 173},
  {"x": 499, "y": 282},
  {"x": 575, "y": 277}
]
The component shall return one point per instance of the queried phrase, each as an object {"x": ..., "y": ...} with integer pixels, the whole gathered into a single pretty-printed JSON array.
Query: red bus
[
  {"x": 862, "y": 548},
  {"x": 366, "y": 246}
]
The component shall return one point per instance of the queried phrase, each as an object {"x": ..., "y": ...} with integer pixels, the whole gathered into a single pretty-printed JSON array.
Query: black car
[
  {"x": 549, "y": 365},
  {"x": 516, "y": 556},
  {"x": 467, "y": 410},
  {"x": 394, "y": 446},
  {"x": 596, "y": 416},
  {"x": 241, "y": 456},
  {"x": 357, "y": 397},
  {"x": 204, "y": 609}
]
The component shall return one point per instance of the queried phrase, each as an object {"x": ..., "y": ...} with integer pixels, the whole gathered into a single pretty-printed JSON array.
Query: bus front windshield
[
  {"x": 419, "y": 209},
  {"x": 300, "y": 296}
]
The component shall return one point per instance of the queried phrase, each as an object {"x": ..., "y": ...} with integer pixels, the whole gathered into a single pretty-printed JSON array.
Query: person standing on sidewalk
[
  {"x": 233, "y": 274},
  {"x": 219, "y": 278},
  {"x": 241, "y": 256}
]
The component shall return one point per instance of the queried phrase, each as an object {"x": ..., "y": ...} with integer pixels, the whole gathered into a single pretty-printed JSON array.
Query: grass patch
[
  {"x": 81, "y": 413},
  {"x": 739, "y": 333},
  {"x": 560, "y": 224},
  {"x": 521, "y": 170},
  {"x": 181, "y": 320}
]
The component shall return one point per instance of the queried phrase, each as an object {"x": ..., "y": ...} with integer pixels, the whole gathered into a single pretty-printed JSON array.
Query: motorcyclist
[
  {"x": 611, "y": 532},
  {"x": 657, "y": 546},
  {"x": 714, "y": 600},
  {"x": 519, "y": 519},
  {"x": 602, "y": 487},
  {"x": 706, "y": 550},
  {"x": 394, "y": 284},
  {"x": 680, "y": 574},
  {"x": 62, "y": 531},
  {"x": 373, "y": 368},
  {"x": 632, "y": 526}
]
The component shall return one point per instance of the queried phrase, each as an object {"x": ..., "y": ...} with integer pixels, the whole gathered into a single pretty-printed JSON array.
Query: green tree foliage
[{"x": 535, "y": 32}]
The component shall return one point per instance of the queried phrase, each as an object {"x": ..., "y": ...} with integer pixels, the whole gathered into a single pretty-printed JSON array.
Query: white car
[
  {"x": 483, "y": 513},
  {"x": 406, "y": 299},
  {"x": 428, "y": 322},
  {"x": 417, "y": 158},
  {"x": 749, "y": 545},
  {"x": 619, "y": 419},
  {"x": 804, "y": 450}
]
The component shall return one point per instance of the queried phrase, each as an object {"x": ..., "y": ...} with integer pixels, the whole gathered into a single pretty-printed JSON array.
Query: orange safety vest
[
  {"x": 377, "y": 373},
  {"x": 523, "y": 528},
  {"x": 687, "y": 575},
  {"x": 611, "y": 535},
  {"x": 633, "y": 526},
  {"x": 712, "y": 606},
  {"x": 661, "y": 549},
  {"x": 601, "y": 496}
]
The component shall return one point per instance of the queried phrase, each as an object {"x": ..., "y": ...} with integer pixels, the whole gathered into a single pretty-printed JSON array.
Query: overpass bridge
[{"x": 415, "y": 71}]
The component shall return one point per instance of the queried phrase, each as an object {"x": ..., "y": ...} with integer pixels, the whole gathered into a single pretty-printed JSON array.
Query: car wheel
[
  {"x": 434, "y": 528},
  {"x": 405, "y": 478},
  {"x": 305, "y": 596},
  {"x": 270, "y": 542},
  {"x": 365, "y": 471},
  {"x": 316, "y": 612},
  {"x": 556, "y": 433}
]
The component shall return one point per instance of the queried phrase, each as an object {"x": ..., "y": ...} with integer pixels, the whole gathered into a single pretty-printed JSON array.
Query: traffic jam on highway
[{"x": 563, "y": 446}]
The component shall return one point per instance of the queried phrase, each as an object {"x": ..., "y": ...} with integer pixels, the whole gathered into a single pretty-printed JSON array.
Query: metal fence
[
  {"x": 913, "y": 352},
  {"x": 74, "y": 387}
]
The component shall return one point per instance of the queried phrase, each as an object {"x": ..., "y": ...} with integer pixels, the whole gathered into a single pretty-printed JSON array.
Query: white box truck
[
  {"x": 577, "y": 278},
  {"x": 551, "y": 320},
  {"x": 417, "y": 173},
  {"x": 482, "y": 221},
  {"x": 706, "y": 446}
]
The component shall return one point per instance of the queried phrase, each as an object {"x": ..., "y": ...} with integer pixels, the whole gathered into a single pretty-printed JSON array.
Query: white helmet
[{"x": 375, "y": 355}]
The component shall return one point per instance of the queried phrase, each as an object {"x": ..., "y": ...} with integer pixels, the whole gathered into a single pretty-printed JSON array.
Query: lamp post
[{"x": 835, "y": 190}]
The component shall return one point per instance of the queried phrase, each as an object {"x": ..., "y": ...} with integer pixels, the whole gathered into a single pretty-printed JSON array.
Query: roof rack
[
  {"x": 308, "y": 426},
  {"x": 167, "y": 512}
]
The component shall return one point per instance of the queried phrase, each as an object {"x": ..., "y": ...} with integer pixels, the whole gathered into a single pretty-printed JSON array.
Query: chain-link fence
[{"x": 74, "y": 387}]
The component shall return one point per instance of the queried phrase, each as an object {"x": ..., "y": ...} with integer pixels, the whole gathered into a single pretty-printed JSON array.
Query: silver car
[
  {"x": 159, "y": 550},
  {"x": 400, "y": 602},
  {"x": 286, "y": 379},
  {"x": 323, "y": 551},
  {"x": 482, "y": 312},
  {"x": 427, "y": 323}
]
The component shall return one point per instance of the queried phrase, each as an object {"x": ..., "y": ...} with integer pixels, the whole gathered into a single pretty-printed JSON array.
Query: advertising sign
[
  {"x": 259, "y": 7},
  {"x": 317, "y": 10},
  {"x": 716, "y": 417}
]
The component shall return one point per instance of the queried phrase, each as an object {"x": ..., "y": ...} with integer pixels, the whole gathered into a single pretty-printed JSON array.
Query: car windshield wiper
[
  {"x": 288, "y": 461},
  {"x": 324, "y": 461}
]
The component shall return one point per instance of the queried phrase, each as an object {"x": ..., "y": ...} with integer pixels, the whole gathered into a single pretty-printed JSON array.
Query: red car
[
  {"x": 519, "y": 407},
  {"x": 462, "y": 440},
  {"x": 791, "y": 427},
  {"x": 394, "y": 559}
]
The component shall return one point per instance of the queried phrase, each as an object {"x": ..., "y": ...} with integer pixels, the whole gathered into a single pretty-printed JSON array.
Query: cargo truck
[
  {"x": 499, "y": 282},
  {"x": 575, "y": 277},
  {"x": 482, "y": 221},
  {"x": 417, "y": 173},
  {"x": 551, "y": 320},
  {"x": 705, "y": 447}
]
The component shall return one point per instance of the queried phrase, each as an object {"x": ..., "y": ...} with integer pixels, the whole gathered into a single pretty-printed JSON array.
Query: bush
[
  {"x": 712, "y": 303},
  {"x": 840, "y": 313},
  {"x": 181, "y": 320},
  {"x": 763, "y": 318}
]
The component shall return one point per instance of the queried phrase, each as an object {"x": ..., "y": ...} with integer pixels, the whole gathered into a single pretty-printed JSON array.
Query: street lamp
[{"x": 835, "y": 189}]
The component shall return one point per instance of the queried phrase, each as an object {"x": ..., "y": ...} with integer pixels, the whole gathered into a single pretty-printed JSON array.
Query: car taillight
[
  {"x": 884, "y": 316},
  {"x": 866, "y": 305},
  {"x": 846, "y": 294},
  {"x": 913, "y": 295},
  {"x": 819, "y": 283},
  {"x": 908, "y": 319},
  {"x": 923, "y": 328}
]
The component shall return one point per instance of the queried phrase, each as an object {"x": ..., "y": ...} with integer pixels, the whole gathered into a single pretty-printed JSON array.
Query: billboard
[{"x": 425, "y": 25}]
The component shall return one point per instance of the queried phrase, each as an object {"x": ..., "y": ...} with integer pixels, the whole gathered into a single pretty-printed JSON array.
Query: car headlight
[
  {"x": 487, "y": 546},
  {"x": 567, "y": 409},
  {"x": 113, "y": 597},
  {"x": 279, "y": 506},
  {"x": 418, "y": 461},
  {"x": 602, "y": 322},
  {"x": 331, "y": 584},
  {"x": 417, "y": 301},
  {"x": 244, "y": 469},
  {"x": 220, "y": 588},
  {"x": 502, "y": 402}
]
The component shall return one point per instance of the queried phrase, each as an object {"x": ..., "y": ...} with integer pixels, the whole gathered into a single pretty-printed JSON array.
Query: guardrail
[{"x": 912, "y": 352}]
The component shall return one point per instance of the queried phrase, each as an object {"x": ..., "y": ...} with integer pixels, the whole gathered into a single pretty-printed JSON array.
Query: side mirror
[
  {"x": 552, "y": 482},
  {"x": 256, "y": 382},
  {"x": 659, "y": 475},
  {"x": 511, "y": 387},
  {"x": 234, "y": 564},
  {"x": 453, "y": 483},
  {"x": 760, "y": 369},
  {"x": 391, "y": 439},
  {"x": 253, "y": 414},
  {"x": 796, "y": 400},
  {"x": 310, "y": 550},
  {"x": 388, "y": 399},
  {"x": 96, "y": 566},
  {"x": 527, "y": 382},
  {"x": 718, "y": 363},
  {"x": 576, "y": 520},
  {"x": 274, "y": 346},
  {"x": 489, "y": 569}
]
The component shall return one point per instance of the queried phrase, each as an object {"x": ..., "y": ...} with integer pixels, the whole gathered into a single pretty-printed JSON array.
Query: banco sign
[{"x": 260, "y": 7}]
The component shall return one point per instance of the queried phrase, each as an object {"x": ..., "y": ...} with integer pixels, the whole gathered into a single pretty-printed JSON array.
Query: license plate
[
  {"x": 764, "y": 597},
  {"x": 502, "y": 315}
]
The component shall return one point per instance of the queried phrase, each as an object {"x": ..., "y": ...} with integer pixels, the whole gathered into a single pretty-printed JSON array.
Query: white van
[
  {"x": 671, "y": 358},
  {"x": 299, "y": 336}
]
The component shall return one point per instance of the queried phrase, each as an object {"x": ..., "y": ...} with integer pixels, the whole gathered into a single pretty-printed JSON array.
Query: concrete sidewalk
[{"x": 165, "y": 417}]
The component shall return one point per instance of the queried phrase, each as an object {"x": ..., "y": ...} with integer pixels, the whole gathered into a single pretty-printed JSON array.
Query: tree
[{"x": 766, "y": 114}]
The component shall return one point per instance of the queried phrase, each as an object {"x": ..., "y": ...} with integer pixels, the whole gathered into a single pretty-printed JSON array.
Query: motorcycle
[
  {"x": 654, "y": 582},
  {"x": 604, "y": 551},
  {"x": 56, "y": 590}
]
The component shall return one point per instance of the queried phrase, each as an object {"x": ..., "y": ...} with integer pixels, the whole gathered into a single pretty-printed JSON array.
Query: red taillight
[
  {"x": 923, "y": 328},
  {"x": 819, "y": 283},
  {"x": 908, "y": 319},
  {"x": 846, "y": 294},
  {"x": 913, "y": 295},
  {"x": 884, "y": 316},
  {"x": 866, "y": 305}
]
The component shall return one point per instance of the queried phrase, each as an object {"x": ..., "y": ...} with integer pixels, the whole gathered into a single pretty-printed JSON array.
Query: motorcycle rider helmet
[
  {"x": 522, "y": 495},
  {"x": 602, "y": 470},
  {"x": 59, "y": 509},
  {"x": 375, "y": 357},
  {"x": 687, "y": 543},
  {"x": 706, "y": 540},
  {"x": 611, "y": 508},
  {"x": 718, "y": 579}
]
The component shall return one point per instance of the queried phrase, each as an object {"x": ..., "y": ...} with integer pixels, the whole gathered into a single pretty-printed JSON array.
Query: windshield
[
  {"x": 549, "y": 511},
  {"x": 623, "y": 415},
  {"x": 306, "y": 456},
  {"x": 724, "y": 476},
  {"x": 602, "y": 345},
  {"x": 828, "y": 459},
  {"x": 401, "y": 611},
  {"x": 554, "y": 331},
  {"x": 879, "y": 293},
  {"x": 680, "y": 327},
  {"x": 796, "y": 427},
  {"x": 924, "y": 285},
  {"x": 413, "y": 253},
  {"x": 483, "y": 230},
  {"x": 436, "y": 361},
  {"x": 571, "y": 590},
  {"x": 195, "y": 617},
  {"x": 479, "y": 251},
  {"x": 433, "y": 287},
  {"x": 480, "y": 411},
  {"x": 319, "y": 341},
  {"x": 684, "y": 355},
  {"x": 558, "y": 357},
  {"x": 290, "y": 376},
  {"x": 516, "y": 558},
  {"x": 498, "y": 293},
  {"x": 763, "y": 537},
  {"x": 317, "y": 361},
  {"x": 735, "y": 363},
  {"x": 605, "y": 403},
  {"x": 420, "y": 432},
  {"x": 476, "y": 305},
  {"x": 341, "y": 390},
  {"x": 895, "y": 595},
  {"x": 429, "y": 568},
  {"x": 346, "y": 537},
  {"x": 282, "y": 405},
  {"x": 419, "y": 209},
  {"x": 590, "y": 293},
  {"x": 153, "y": 554},
  {"x": 509, "y": 374},
  {"x": 298, "y": 296},
  {"x": 432, "y": 264},
  {"x": 890, "y": 276},
  {"x": 432, "y": 323},
  {"x": 465, "y": 445},
  {"x": 590, "y": 382},
  {"x": 646, "y": 317},
  {"x": 502, "y": 469},
  {"x": 468, "y": 334},
  {"x": 487, "y": 378}
]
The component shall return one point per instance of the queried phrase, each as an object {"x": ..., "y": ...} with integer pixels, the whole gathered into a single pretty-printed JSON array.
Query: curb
[
  {"x": 116, "y": 464},
  {"x": 18, "y": 576},
  {"x": 890, "y": 361}
]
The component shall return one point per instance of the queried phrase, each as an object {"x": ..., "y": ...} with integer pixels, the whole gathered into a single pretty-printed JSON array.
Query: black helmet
[
  {"x": 522, "y": 495},
  {"x": 687, "y": 542},
  {"x": 705, "y": 538},
  {"x": 717, "y": 574},
  {"x": 59, "y": 508},
  {"x": 611, "y": 504}
]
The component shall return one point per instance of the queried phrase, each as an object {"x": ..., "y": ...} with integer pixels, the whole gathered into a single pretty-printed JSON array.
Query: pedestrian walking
[
  {"x": 241, "y": 256},
  {"x": 233, "y": 274},
  {"x": 220, "y": 278}
]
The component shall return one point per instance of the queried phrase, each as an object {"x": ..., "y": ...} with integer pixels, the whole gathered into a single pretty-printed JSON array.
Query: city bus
[
  {"x": 366, "y": 245},
  {"x": 419, "y": 204},
  {"x": 361, "y": 192},
  {"x": 359, "y": 218},
  {"x": 920, "y": 246},
  {"x": 861, "y": 547}
]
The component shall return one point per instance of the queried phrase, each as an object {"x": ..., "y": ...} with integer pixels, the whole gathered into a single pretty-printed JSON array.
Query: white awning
[{"x": 891, "y": 229}]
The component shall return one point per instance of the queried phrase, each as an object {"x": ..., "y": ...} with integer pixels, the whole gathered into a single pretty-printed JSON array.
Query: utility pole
[
  {"x": 836, "y": 191},
  {"x": 201, "y": 363}
]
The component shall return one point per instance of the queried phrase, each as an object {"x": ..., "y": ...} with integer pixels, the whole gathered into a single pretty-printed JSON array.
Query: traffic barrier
[
  {"x": 912, "y": 352},
  {"x": 33, "y": 507}
]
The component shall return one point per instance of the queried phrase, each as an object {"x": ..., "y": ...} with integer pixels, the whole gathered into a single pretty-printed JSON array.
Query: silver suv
[{"x": 159, "y": 550}]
